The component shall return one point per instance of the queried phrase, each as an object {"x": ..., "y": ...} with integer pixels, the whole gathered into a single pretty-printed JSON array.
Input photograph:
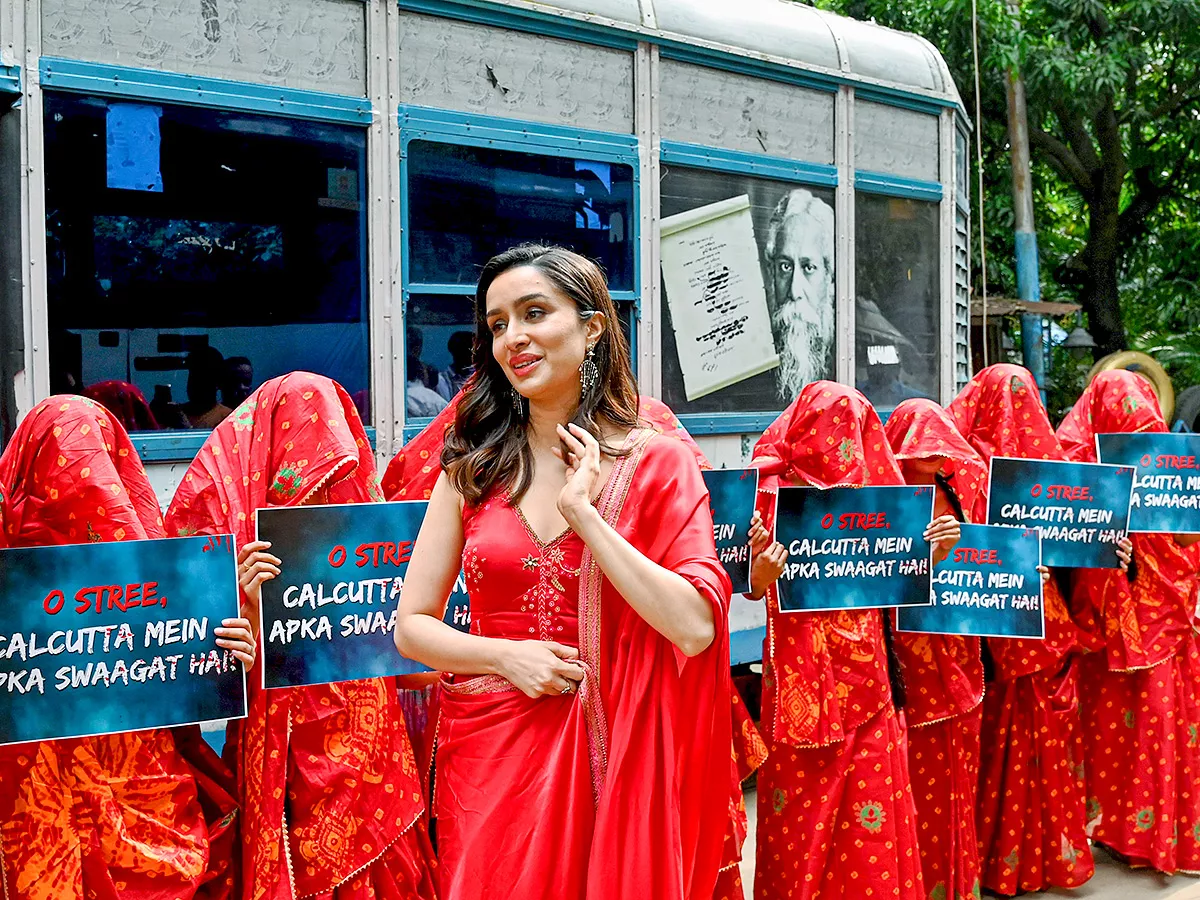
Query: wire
[{"x": 979, "y": 172}]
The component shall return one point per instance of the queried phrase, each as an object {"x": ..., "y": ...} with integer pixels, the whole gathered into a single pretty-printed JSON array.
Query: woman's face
[
  {"x": 538, "y": 338},
  {"x": 926, "y": 466}
]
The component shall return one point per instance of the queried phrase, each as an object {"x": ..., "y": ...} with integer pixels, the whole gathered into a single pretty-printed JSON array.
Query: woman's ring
[{"x": 569, "y": 688}]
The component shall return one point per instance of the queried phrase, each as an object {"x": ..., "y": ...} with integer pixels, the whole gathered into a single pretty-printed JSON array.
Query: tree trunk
[{"x": 1100, "y": 296}]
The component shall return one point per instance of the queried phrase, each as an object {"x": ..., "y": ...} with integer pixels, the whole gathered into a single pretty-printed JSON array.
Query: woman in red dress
[
  {"x": 1031, "y": 809},
  {"x": 943, "y": 673},
  {"x": 835, "y": 807},
  {"x": 1141, "y": 696},
  {"x": 584, "y": 735},
  {"x": 331, "y": 796},
  {"x": 140, "y": 815}
]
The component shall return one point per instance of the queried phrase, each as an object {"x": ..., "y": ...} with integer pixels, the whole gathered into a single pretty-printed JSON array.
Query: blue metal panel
[
  {"x": 419, "y": 122},
  {"x": 748, "y": 163},
  {"x": 747, "y": 646},
  {"x": 743, "y": 65},
  {"x": 896, "y": 186},
  {"x": 195, "y": 90},
  {"x": 10, "y": 85},
  {"x": 727, "y": 423},
  {"x": 180, "y": 446},
  {"x": 527, "y": 20},
  {"x": 903, "y": 99}
]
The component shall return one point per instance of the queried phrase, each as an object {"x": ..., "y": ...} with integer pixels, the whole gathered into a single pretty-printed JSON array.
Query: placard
[
  {"x": 731, "y": 495},
  {"x": 1081, "y": 510},
  {"x": 989, "y": 586},
  {"x": 714, "y": 287},
  {"x": 116, "y": 636},
  {"x": 1166, "y": 482},
  {"x": 854, "y": 548},
  {"x": 331, "y": 614}
]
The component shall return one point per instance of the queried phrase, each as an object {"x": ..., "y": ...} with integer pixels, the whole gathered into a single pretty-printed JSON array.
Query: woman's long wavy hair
[{"x": 488, "y": 445}]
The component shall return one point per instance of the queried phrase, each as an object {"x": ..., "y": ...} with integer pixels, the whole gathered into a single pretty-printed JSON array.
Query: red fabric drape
[
  {"x": 943, "y": 674},
  {"x": 835, "y": 806},
  {"x": 330, "y": 790},
  {"x": 1141, "y": 697},
  {"x": 1031, "y": 754},
  {"x": 142, "y": 815},
  {"x": 619, "y": 790}
]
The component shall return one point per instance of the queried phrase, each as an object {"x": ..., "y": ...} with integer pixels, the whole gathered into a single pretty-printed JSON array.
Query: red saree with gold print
[
  {"x": 1141, "y": 696},
  {"x": 1031, "y": 791},
  {"x": 619, "y": 790},
  {"x": 330, "y": 791},
  {"x": 143, "y": 815},
  {"x": 943, "y": 673},
  {"x": 835, "y": 808}
]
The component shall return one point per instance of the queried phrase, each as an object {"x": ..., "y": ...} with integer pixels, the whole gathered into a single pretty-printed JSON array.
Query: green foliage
[{"x": 1113, "y": 90}]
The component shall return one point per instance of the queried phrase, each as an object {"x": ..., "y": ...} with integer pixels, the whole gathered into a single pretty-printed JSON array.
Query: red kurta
[
  {"x": 619, "y": 790},
  {"x": 330, "y": 790},
  {"x": 141, "y": 815},
  {"x": 1031, "y": 790},
  {"x": 835, "y": 807},
  {"x": 943, "y": 675},
  {"x": 1141, "y": 696}
]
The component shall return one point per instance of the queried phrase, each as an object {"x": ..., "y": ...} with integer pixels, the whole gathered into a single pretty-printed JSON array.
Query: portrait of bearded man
[{"x": 799, "y": 256}]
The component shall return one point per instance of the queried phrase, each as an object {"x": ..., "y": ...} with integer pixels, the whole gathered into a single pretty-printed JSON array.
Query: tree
[{"x": 1113, "y": 92}]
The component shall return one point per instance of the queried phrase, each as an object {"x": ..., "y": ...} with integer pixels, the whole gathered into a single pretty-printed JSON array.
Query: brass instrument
[{"x": 1148, "y": 368}]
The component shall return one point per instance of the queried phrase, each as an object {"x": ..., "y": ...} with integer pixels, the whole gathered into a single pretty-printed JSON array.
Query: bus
[{"x": 231, "y": 191}]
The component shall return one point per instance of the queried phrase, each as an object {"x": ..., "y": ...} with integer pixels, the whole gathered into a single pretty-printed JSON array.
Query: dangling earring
[
  {"x": 518, "y": 402},
  {"x": 589, "y": 373}
]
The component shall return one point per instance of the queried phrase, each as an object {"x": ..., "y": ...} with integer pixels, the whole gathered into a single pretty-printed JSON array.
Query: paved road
[{"x": 1112, "y": 881}]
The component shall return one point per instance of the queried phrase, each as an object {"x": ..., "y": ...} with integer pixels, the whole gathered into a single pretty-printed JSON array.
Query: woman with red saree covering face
[
  {"x": 331, "y": 797},
  {"x": 584, "y": 735},
  {"x": 1031, "y": 800},
  {"x": 139, "y": 815},
  {"x": 943, "y": 673},
  {"x": 1141, "y": 696},
  {"x": 835, "y": 809}
]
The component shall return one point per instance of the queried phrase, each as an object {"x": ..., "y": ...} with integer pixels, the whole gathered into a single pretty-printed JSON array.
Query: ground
[{"x": 1112, "y": 881}]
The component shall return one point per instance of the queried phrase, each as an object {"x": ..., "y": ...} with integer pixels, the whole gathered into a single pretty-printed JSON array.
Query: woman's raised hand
[
  {"x": 237, "y": 635},
  {"x": 582, "y": 458},
  {"x": 255, "y": 565},
  {"x": 943, "y": 533},
  {"x": 541, "y": 668},
  {"x": 766, "y": 567}
]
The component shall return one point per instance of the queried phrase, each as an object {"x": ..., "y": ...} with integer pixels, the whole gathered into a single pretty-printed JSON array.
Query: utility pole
[{"x": 1028, "y": 282}]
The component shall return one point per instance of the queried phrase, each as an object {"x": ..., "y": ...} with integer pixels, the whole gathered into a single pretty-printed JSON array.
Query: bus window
[
  {"x": 466, "y": 204},
  {"x": 794, "y": 236},
  {"x": 896, "y": 309},
  {"x": 194, "y": 254}
]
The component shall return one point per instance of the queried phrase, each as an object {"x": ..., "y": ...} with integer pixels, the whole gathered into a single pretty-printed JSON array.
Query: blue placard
[
  {"x": 1081, "y": 510},
  {"x": 1166, "y": 483},
  {"x": 731, "y": 496},
  {"x": 134, "y": 145},
  {"x": 989, "y": 586},
  {"x": 111, "y": 637},
  {"x": 330, "y": 615},
  {"x": 854, "y": 548}
]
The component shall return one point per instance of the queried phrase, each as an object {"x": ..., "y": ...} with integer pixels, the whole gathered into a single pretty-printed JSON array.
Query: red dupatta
[
  {"x": 943, "y": 674},
  {"x": 119, "y": 814},
  {"x": 826, "y": 673},
  {"x": 1144, "y": 620},
  {"x": 338, "y": 752},
  {"x": 1000, "y": 413}
]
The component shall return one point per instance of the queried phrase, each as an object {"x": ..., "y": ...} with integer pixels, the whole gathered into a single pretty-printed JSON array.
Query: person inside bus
[
  {"x": 238, "y": 381},
  {"x": 585, "y": 729},
  {"x": 452, "y": 378},
  {"x": 206, "y": 370},
  {"x": 420, "y": 378}
]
